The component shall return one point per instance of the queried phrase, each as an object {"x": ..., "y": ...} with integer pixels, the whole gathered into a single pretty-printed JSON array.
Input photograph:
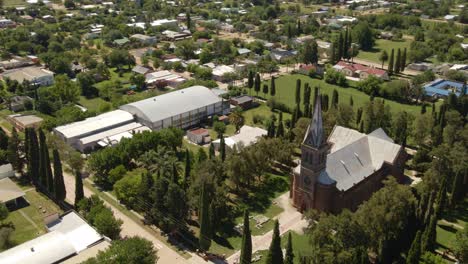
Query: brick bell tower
[{"x": 314, "y": 150}]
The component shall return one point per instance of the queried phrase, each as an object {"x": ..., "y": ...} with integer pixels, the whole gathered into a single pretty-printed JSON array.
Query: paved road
[
  {"x": 379, "y": 65},
  {"x": 289, "y": 219},
  {"x": 131, "y": 228}
]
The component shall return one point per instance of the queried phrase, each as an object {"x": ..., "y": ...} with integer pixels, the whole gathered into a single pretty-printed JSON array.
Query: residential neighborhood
[{"x": 236, "y": 132}]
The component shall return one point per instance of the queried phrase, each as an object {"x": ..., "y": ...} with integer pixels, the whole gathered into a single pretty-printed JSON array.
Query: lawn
[
  {"x": 13, "y": 3},
  {"x": 383, "y": 44},
  {"x": 38, "y": 208},
  {"x": 3, "y": 122},
  {"x": 286, "y": 86},
  {"x": 450, "y": 224},
  {"x": 300, "y": 244}
]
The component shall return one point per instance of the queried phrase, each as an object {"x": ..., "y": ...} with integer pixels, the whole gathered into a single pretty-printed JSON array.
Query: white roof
[
  {"x": 220, "y": 70},
  {"x": 162, "y": 22},
  {"x": 96, "y": 123},
  {"x": 174, "y": 103},
  {"x": 68, "y": 236},
  {"x": 161, "y": 76},
  {"x": 109, "y": 133},
  {"x": 247, "y": 136},
  {"x": 458, "y": 67}
]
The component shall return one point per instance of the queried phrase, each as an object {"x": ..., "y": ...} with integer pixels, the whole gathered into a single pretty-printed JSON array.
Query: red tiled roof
[
  {"x": 359, "y": 67},
  {"x": 199, "y": 131}
]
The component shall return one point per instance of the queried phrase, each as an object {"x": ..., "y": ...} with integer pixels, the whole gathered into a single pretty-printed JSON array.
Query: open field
[
  {"x": 383, "y": 44},
  {"x": 23, "y": 219},
  {"x": 286, "y": 86},
  {"x": 452, "y": 221}
]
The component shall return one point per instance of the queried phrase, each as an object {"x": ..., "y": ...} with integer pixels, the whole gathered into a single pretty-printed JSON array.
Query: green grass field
[
  {"x": 24, "y": 229},
  {"x": 13, "y": 3},
  {"x": 382, "y": 44},
  {"x": 286, "y": 86},
  {"x": 452, "y": 222}
]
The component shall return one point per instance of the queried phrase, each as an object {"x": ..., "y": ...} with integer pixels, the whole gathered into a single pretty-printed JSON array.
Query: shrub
[
  {"x": 275, "y": 105},
  {"x": 258, "y": 119}
]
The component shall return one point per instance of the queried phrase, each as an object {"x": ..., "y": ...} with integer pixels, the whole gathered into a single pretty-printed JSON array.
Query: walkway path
[
  {"x": 289, "y": 219},
  {"x": 30, "y": 220}
]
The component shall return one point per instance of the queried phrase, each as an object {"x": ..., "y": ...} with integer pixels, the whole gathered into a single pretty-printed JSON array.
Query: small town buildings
[
  {"x": 243, "y": 101},
  {"x": 183, "y": 108},
  {"x": 441, "y": 88},
  {"x": 35, "y": 75},
  {"x": 68, "y": 240},
  {"x": 246, "y": 136},
  {"x": 386, "y": 35},
  {"x": 20, "y": 102},
  {"x": 308, "y": 69},
  {"x": 344, "y": 170},
  {"x": 6, "y": 171},
  {"x": 450, "y": 17},
  {"x": 164, "y": 78},
  {"x": 281, "y": 55},
  {"x": 420, "y": 66},
  {"x": 144, "y": 39},
  {"x": 121, "y": 42},
  {"x": 199, "y": 136},
  {"x": 10, "y": 194},
  {"x": 7, "y": 23},
  {"x": 360, "y": 71},
  {"x": 140, "y": 70},
  {"x": 243, "y": 51},
  {"x": 220, "y": 71},
  {"x": 21, "y": 122},
  {"x": 175, "y": 36},
  {"x": 168, "y": 23}
]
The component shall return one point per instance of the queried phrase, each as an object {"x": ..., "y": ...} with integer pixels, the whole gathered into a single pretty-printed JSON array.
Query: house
[
  {"x": 168, "y": 23},
  {"x": 243, "y": 101},
  {"x": 35, "y": 75},
  {"x": 441, "y": 88},
  {"x": 227, "y": 27},
  {"x": 308, "y": 69},
  {"x": 386, "y": 35},
  {"x": 174, "y": 36},
  {"x": 48, "y": 19},
  {"x": 360, "y": 71},
  {"x": 20, "y": 102},
  {"x": 7, "y": 23},
  {"x": 220, "y": 71},
  {"x": 420, "y": 66},
  {"x": 144, "y": 39},
  {"x": 140, "y": 70},
  {"x": 70, "y": 239},
  {"x": 199, "y": 136},
  {"x": 10, "y": 194},
  {"x": 450, "y": 17},
  {"x": 243, "y": 51},
  {"x": 281, "y": 55},
  {"x": 344, "y": 170},
  {"x": 164, "y": 78},
  {"x": 21, "y": 122},
  {"x": 121, "y": 42},
  {"x": 6, "y": 171},
  {"x": 246, "y": 136}
]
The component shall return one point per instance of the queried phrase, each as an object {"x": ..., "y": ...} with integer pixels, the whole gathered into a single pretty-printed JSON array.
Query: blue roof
[{"x": 441, "y": 87}]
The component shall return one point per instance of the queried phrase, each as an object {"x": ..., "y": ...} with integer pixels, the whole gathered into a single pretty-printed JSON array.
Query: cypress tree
[
  {"x": 397, "y": 62},
  {"x": 3, "y": 139},
  {"x": 423, "y": 108},
  {"x": 272, "y": 86},
  {"x": 457, "y": 189},
  {"x": 429, "y": 236},
  {"x": 146, "y": 184},
  {"x": 289, "y": 256},
  {"x": 265, "y": 90},
  {"x": 204, "y": 239},
  {"x": 403, "y": 61},
  {"x": 250, "y": 80},
  {"x": 391, "y": 62},
  {"x": 275, "y": 254},
  {"x": 345, "y": 45},
  {"x": 79, "y": 192},
  {"x": 415, "y": 251},
  {"x": 246, "y": 246},
  {"x": 429, "y": 209},
  {"x": 351, "y": 102},
  {"x": 335, "y": 98},
  {"x": 13, "y": 151},
  {"x": 187, "y": 169},
  {"x": 316, "y": 93},
  {"x": 59, "y": 184},
  {"x": 42, "y": 160},
  {"x": 257, "y": 84},
  {"x": 325, "y": 102},
  {"x": 211, "y": 151},
  {"x": 441, "y": 199},
  {"x": 189, "y": 20},
  {"x": 361, "y": 126},
  {"x": 280, "y": 130},
  {"x": 298, "y": 91},
  {"x": 333, "y": 54},
  {"x": 33, "y": 157},
  {"x": 222, "y": 148},
  {"x": 299, "y": 28},
  {"x": 340, "y": 47},
  {"x": 50, "y": 176},
  {"x": 358, "y": 115}
]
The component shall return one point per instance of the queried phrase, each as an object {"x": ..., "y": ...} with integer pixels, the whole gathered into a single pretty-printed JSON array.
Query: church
[{"x": 344, "y": 170}]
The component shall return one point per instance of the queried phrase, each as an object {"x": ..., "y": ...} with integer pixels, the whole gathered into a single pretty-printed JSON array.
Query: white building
[
  {"x": 165, "y": 77},
  {"x": 247, "y": 136},
  {"x": 68, "y": 237},
  {"x": 183, "y": 108},
  {"x": 220, "y": 71},
  {"x": 35, "y": 75},
  {"x": 164, "y": 22}
]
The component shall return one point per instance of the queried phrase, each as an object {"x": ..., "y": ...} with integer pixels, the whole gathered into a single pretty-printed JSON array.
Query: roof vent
[
  {"x": 344, "y": 166},
  {"x": 32, "y": 249},
  {"x": 357, "y": 157}
]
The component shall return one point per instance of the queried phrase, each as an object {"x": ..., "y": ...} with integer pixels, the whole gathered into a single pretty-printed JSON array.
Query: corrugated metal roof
[{"x": 171, "y": 104}]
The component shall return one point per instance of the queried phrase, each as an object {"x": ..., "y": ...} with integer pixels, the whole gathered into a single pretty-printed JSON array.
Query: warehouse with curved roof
[{"x": 182, "y": 108}]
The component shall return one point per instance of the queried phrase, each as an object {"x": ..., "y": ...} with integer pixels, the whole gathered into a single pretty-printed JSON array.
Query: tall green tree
[
  {"x": 258, "y": 83},
  {"x": 265, "y": 90},
  {"x": 403, "y": 61},
  {"x": 250, "y": 81},
  {"x": 3, "y": 139},
  {"x": 428, "y": 240},
  {"x": 457, "y": 189},
  {"x": 79, "y": 192},
  {"x": 211, "y": 152},
  {"x": 280, "y": 129},
  {"x": 246, "y": 246},
  {"x": 33, "y": 156},
  {"x": 415, "y": 251},
  {"x": 272, "y": 86},
  {"x": 340, "y": 47},
  {"x": 396, "y": 68},
  {"x": 289, "y": 256},
  {"x": 391, "y": 62},
  {"x": 59, "y": 183},
  {"x": 187, "y": 169},
  {"x": 13, "y": 151},
  {"x": 275, "y": 254},
  {"x": 383, "y": 57},
  {"x": 204, "y": 237},
  {"x": 222, "y": 148},
  {"x": 334, "y": 102},
  {"x": 298, "y": 91}
]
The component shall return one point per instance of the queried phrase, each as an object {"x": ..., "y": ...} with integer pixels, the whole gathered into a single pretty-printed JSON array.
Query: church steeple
[{"x": 314, "y": 136}]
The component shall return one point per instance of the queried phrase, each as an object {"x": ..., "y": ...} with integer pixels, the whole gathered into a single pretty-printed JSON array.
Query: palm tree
[{"x": 236, "y": 118}]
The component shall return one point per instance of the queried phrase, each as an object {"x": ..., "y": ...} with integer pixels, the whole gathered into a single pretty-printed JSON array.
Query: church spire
[{"x": 314, "y": 135}]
